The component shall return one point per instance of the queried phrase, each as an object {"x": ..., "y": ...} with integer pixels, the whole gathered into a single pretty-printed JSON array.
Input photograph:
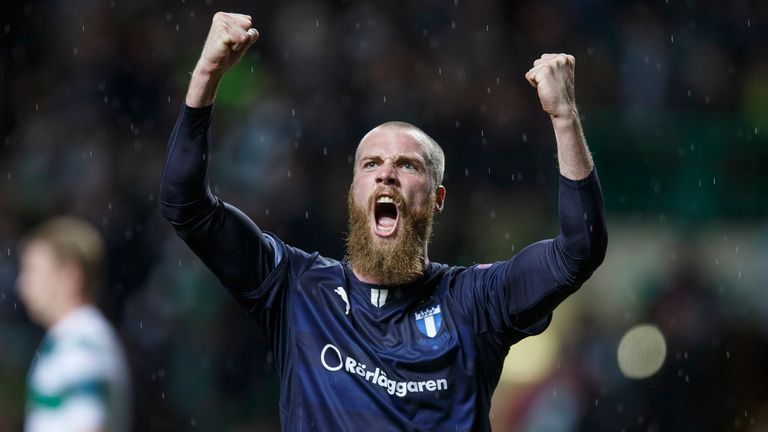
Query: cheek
[
  {"x": 29, "y": 284},
  {"x": 359, "y": 194},
  {"x": 419, "y": 193},
  {"x": 35, "y": 284}
]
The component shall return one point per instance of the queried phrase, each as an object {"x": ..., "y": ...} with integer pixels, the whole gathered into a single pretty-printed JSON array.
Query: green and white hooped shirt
[{"x": 79, "y": 379}]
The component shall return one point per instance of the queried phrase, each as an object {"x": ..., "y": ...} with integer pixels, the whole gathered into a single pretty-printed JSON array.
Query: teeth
[{"x": 385, "y": 199}]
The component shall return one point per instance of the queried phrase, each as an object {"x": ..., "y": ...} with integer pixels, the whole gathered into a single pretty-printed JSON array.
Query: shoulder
[
  {"x": 88, "y": 345},
  {"x": 456, "y": 279},
  {"x": 300, "y": 261}
]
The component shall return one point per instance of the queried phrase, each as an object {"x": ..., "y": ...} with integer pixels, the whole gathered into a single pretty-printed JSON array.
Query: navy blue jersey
[{"x": 357, "y": 356}]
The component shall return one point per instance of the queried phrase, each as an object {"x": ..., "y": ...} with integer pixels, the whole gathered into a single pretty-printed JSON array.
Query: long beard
[{"x": 389, "y": 261}]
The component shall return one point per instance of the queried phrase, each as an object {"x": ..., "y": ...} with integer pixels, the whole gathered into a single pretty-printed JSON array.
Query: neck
[{"x": 61, "y": 312}]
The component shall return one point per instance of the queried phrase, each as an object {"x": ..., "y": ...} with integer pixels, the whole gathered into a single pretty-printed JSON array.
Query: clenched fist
[
  {"x": 552, "y": 76},
  {"x": 229, "y": 38}
]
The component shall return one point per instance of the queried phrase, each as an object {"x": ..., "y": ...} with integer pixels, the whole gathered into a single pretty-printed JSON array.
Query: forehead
[
  {"x": 38, "y": 252},
  {"x": 392, "y": 142}
]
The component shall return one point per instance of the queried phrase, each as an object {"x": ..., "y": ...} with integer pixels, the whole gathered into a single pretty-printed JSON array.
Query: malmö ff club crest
[{"x": 429, "y": 320}]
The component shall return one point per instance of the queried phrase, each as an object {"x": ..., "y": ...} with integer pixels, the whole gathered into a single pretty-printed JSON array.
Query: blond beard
[{"x": 390, "y": 261}]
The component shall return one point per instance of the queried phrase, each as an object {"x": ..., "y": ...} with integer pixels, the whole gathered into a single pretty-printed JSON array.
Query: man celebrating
[
  {"x": 79, "y": 380},
  {"x": 385, "y": 339}
]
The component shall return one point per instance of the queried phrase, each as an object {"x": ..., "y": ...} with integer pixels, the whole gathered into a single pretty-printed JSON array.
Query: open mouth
[{"x": 385, "y": 216}]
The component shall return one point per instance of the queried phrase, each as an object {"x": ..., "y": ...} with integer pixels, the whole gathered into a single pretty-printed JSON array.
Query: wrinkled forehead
[{"x": 393, "y": 141}]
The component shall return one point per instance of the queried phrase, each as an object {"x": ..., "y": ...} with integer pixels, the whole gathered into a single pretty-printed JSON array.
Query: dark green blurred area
[{"x": 694, "y": 167}]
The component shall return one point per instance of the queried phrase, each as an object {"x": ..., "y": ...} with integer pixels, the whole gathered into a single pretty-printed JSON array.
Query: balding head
[{"x": 433, "y": 153}]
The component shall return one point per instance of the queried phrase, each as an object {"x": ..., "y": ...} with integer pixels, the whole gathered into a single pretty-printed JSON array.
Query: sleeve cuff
[
  {"x": 206, "y": 110},
  {"x": 580, "y": 184}
]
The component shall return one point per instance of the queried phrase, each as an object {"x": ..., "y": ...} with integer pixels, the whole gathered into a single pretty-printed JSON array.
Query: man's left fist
[{"x": 552, "y": 75}]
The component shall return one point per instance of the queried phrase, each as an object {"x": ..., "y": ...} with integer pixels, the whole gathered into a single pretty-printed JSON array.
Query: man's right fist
[{"x": 230, "y": 36}]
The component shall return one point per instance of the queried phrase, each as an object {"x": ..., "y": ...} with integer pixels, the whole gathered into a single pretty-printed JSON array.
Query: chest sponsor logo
[
  {"x": 334, "y": 361},
  {"x": 429, "y": 320}
]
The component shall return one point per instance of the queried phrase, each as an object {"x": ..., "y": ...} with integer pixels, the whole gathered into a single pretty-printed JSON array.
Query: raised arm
[
  {"x": 553, "y": 77},
  {"x": 227, "y": 241},
  {"x": 543, "y": 274},
  {"x": 515, "y": 297}
]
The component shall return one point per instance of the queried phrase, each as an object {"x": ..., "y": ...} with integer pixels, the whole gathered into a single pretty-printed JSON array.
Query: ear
[{"x": 439, "y": 199}]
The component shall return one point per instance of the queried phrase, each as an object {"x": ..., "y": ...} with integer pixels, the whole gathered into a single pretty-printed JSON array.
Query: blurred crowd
[{"x": 674, "y": 99}]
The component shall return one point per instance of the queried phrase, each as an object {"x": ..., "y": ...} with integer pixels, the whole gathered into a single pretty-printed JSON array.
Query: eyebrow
[
  {"x": 398, "y": 160},
  {"x": 411, "y": 159}
]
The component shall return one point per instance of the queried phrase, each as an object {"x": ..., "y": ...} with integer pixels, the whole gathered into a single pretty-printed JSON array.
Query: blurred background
[{"x": 671, "y": 333}]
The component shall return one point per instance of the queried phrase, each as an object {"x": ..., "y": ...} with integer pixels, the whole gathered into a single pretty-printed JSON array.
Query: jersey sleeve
[
  {"x": 515, "y": 298},
  {"x": 227, "y": 241}
]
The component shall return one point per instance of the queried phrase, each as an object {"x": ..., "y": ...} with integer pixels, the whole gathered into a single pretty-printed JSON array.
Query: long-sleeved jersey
[{"x": 357, "y": 356}]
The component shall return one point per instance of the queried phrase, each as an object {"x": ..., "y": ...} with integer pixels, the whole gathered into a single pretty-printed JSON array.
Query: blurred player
[
  {"x": 78, "y": 380},
  {"x": 384, "y": 340}
]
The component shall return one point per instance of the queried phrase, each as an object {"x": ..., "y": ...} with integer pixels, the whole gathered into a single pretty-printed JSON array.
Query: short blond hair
[
  {"x": 435, "y": 156},
  {"x": 73, "y": 241}
]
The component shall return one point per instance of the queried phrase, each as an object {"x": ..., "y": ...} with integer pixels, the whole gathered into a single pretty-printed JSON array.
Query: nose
[{"x": 387, "y": 175}]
